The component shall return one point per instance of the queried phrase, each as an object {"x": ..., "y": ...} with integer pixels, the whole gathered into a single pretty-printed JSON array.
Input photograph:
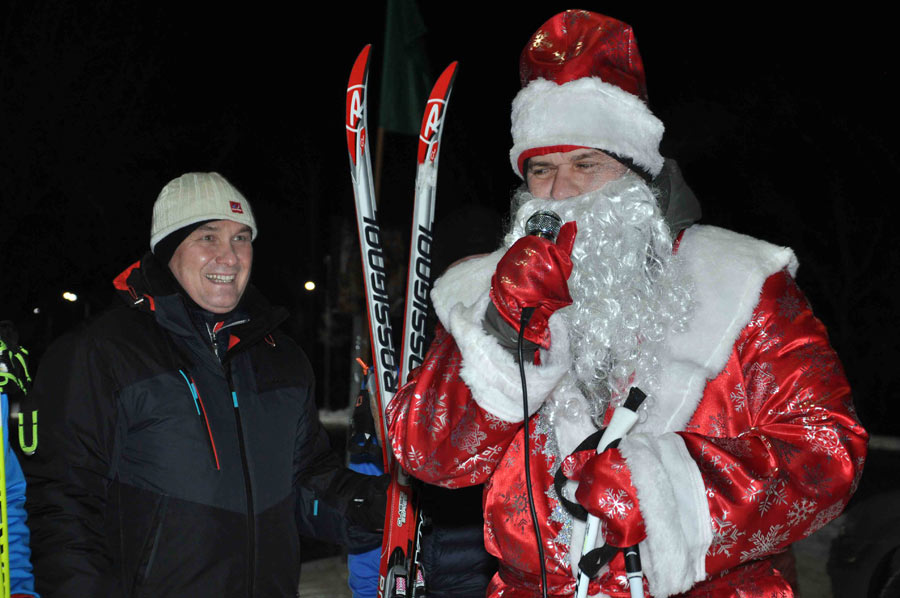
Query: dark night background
[{"x": 782, "y": 121}]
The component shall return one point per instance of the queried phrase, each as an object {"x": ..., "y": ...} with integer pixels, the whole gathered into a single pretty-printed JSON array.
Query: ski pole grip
[{"x": 623, "y": 418}]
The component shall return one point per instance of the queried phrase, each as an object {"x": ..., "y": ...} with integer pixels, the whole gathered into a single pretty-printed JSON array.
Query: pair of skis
[{"x": 400, "y": 574}]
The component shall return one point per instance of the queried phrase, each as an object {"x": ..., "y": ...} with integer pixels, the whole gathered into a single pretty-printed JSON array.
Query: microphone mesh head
[{"x": 544, "y": 224}]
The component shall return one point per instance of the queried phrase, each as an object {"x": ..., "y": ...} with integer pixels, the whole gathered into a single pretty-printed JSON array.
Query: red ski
[
  {"x": 418, "y": 281},
  {"x": 373, "y": 264}
]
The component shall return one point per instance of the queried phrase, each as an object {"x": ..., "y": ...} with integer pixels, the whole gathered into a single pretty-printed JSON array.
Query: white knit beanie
[{"x": 198, "y": 197}]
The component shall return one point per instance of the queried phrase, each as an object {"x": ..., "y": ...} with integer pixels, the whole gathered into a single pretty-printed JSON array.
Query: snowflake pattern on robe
[
  {"x": 495, "y": 423},
  {"x": 816, "y": 479},
  {"x": 431, "y": 465},
  {"x": 738, "y": 397},
  {"x": 738, "y": 447},
  {"x": 725, "y": 535},
  {"x": 514, "y": 448},
  {"x": 825, "y": 440},
  {"x": 615, "y": 504},
  {"x": 774, "y": 493},
  {"x": 823, "y": 517},
  {"x": 761, "y": 385},
  {"x": 415, "y": 457},
  {"x": 800, "y": 511},
  {"x": 783, "y": 449},
  {"x": 767, "y": 543},
  {"x": 715, "y": 472},
  {"x": 558, "y": 545},
  {"x": 561, "y": 516},
  {"x": 752, "y": 492},
  {"x": 515, "y": 506},
  {"x": 545, "y": 440},
  {"x": 787, "y": 499},
  {"x": 819, "y": 362},
  {"x": 769, "y": 336},
  {"x": 467, "y": 435},
  {"x": 435, "y": 411},
  {"x": 480, "y": 463},
  {"x": 790, "y": 305},
  {"x": 451, "y": 371}
]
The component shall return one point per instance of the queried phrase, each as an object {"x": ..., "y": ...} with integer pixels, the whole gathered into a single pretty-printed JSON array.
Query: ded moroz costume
[{"x": 748, "y": 441}]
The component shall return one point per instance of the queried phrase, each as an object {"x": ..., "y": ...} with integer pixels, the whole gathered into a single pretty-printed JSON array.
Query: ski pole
[
  {"x": 622, "y": 420},
  {"x": 4, "y": 521}
]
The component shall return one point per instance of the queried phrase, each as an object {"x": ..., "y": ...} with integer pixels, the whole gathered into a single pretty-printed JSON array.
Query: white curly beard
[{"x": 629, "y": 291}]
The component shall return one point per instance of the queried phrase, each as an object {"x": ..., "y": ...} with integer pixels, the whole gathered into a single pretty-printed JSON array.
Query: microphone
[{"x": 545, "y": 224}]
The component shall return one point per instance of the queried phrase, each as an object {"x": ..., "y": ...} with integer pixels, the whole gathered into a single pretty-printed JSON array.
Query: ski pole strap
[
  {"x": 28, "y": 449},
  {"x": 19, "y": 357},
  {"x": 592, "y": 561},
  {"x": 6, "y": 377},
  {"x": 559, "y": 479}
]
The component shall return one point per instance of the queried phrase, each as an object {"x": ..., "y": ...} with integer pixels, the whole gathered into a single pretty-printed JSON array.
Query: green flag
[{"x": 405, "y": 76}]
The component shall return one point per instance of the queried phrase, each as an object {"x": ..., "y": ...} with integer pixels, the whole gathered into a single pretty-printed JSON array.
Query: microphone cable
[{"x": 523, "y": 323}]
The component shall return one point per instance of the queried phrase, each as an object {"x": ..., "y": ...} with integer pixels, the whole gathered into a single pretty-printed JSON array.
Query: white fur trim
[
  {"x": 673, "y": 502},
  {"x": 589, "y": 113},
  {"x": 460, "y": 299},
  {"x": 728, "y": 271}
]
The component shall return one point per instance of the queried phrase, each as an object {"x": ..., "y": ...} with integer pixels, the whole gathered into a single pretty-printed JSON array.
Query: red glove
[
  {"x": 533, "y": 273},
  {"x": 606, "y": 491}
]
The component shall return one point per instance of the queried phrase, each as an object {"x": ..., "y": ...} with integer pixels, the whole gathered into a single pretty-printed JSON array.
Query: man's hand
[
  {"x": 533, "y": 273},
  {"x": 367, "y": 507},
  {"x": 606, "y": 491}
]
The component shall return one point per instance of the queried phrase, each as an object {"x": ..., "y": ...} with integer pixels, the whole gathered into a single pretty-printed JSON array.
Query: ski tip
[
  {"x": 446, "y": 78},
  {"x": 360, "y": 69},
  {"x": 355, "y": 114},
  {"x": 430, "y": 131}
]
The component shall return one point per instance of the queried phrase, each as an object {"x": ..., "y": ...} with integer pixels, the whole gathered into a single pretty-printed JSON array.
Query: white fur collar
[{"x": 728, "y": 270}]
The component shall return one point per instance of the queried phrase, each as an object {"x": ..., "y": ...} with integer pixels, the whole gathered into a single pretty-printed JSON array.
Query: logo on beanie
[{"x": 236, "y": 207}]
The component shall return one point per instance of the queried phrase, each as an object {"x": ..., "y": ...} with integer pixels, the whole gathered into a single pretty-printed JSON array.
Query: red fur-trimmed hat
[{"x": 584, "y": 86}]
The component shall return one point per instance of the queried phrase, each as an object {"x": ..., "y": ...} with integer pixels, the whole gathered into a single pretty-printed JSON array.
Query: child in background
[{"x": 18, "y": 580}]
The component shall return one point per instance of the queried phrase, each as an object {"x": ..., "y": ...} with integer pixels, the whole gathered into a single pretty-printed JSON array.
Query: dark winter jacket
[{"x": 163, "y": 471}]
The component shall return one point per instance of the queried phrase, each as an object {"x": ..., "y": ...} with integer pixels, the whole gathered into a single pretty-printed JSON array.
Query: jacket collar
[{"x": 149, "y": 286}]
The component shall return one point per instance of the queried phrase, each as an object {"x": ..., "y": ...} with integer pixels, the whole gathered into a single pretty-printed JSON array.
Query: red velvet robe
[{"x": 756, "y": 446}]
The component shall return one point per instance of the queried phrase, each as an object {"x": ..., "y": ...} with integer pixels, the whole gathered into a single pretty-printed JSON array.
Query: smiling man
[
  {"x": 177, "y": 430},
  {"x": 748, "y": 440},
  {"x": 213, "y": 264}
]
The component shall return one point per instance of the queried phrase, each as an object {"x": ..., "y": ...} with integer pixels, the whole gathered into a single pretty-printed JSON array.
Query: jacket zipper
[
  {"x": 251, "y": 520},
  {"x": 212, "y": 331}
]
